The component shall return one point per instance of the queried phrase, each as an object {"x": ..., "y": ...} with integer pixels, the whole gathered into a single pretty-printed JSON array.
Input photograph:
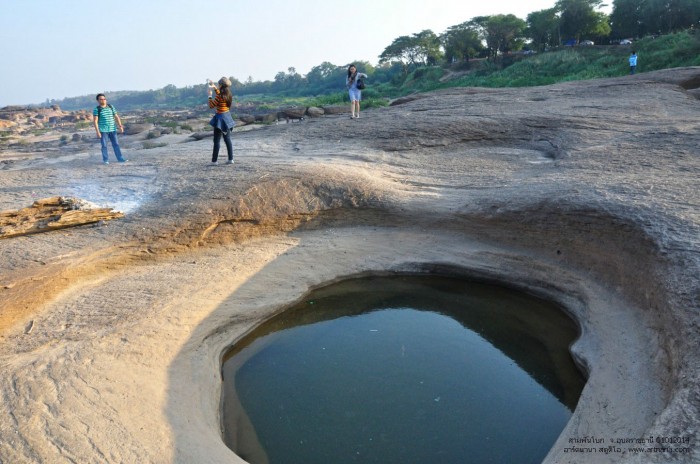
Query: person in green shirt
[{"x": 106, "y": 120}]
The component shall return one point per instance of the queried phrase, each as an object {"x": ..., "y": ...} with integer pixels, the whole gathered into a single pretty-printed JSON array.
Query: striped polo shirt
[
  {"x": 106, "y": 121},
  {"x": 219, "y": 103}
]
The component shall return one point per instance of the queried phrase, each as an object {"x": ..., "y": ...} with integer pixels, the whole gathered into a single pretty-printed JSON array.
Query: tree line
[
  {"x": 488, "y": 37},
  {"x": 323, "y": 79},
  {"x": 567, "y": 22}
]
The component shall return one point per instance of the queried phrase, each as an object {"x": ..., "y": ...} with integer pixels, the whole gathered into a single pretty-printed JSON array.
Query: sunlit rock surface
[{"x": 584, "y": 192}]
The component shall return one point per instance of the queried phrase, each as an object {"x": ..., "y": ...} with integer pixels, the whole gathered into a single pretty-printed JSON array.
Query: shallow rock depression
[{"x": 586, "y": 193}]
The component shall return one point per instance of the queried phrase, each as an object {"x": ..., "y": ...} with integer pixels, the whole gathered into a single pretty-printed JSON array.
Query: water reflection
[{"x": 408, "y": 369}]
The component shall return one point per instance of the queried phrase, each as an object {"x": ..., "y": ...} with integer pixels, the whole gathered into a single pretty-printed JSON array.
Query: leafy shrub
[{"x": 330, "y": 99}]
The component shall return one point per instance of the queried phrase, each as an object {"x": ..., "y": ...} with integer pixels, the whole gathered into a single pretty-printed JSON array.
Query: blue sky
[{"x": 64, "y": 48}]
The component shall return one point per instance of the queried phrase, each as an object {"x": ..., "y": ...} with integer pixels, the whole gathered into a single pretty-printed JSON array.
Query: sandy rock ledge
[{"x": 111, "y": 334}]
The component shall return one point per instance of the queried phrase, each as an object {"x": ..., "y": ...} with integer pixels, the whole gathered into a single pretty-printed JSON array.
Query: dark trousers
[{"x": 217, "y": 144}]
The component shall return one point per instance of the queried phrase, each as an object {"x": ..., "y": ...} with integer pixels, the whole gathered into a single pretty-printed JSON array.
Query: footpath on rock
[{"x": 112, "y": 332}]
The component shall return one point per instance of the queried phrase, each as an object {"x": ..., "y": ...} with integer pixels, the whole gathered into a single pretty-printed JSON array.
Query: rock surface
[
  {"x": 22, "y": 119},
  {"x": 137, "y": 128},
  {"x": 585, "y": 193}
]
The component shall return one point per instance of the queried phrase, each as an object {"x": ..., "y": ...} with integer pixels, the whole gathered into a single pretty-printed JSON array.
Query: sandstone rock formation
[
  {"x": 137, "y": 128},
  {"x": 294, "y": 112},
  {"x": 246, "y": 118},
  {"x": 336, "y": 109},
  {"x": 26, "y": 118},
  {"x": 584, "y": 193},
  {"x": 315, "y": 112}
]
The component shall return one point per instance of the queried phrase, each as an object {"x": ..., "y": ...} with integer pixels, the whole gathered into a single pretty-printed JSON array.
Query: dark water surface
[{"x": 407, "y": 369}]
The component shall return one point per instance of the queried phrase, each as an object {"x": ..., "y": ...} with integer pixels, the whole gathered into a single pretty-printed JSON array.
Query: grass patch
[
  {"x": 147, "y": 145},
  {"x": 38, "y": 132}
]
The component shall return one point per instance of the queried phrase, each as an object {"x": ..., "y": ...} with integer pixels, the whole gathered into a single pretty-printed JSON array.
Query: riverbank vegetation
[{"x": 573, "y": 40}]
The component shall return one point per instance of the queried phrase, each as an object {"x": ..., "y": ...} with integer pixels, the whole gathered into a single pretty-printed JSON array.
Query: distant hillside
[
  {"x": 590, "y": 62},
  {"x": 325, "y": 83}
]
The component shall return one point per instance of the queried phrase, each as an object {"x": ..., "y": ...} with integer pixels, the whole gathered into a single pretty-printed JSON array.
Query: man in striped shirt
[{"x": 104, "y": 117}]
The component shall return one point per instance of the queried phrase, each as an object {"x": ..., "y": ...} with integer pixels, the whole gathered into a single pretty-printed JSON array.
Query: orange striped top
[{"x": 219, "y": 103}]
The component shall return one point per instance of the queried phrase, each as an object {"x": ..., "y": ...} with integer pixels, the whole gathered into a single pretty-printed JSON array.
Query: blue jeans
[{"x": 115, "y": 145}]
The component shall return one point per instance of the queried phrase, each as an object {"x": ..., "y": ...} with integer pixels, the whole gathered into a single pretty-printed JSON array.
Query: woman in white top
[{"x": 355, "y": 93}]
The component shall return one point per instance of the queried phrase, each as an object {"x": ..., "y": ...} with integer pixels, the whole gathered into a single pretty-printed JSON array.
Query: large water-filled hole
[{"x": 408, "y": 369}]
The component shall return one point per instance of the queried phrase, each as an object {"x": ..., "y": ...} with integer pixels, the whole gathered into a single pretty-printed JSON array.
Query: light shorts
[{"x": 355, "y": 94}]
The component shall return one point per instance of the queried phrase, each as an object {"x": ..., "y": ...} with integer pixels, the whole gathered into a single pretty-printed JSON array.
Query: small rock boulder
[
  {"x": 315, "y": 112},
  {"x": 267, "y": 118},
  {"x": 294, "y": 112},
  {"x": 246, "y": 118},
  {"x": 201, "y": 135},
  {"x": 137, "y": 128},
  {"x": 336, "y": 109}
]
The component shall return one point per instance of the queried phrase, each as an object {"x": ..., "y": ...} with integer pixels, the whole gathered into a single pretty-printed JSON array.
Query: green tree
[
  {"x": 288, "y": 81},
  {"x": 279, "y": 80},
  {"x": 663, "y": 16},
  {"x": 318, "y": 74},
  {"x": 236, "y": 85},
  {"x": 363, "y": 66},
  {"x": 502, "y": 33},
  {"x": 324, "y": 78},
  {"x": 637, "y": 18},
  {"x": 389, "y": 72},
  {"x": 416, "y": 50},
  {"x": 461, "y": 42},
  {"x": 429, "y": 47},
  {"x": 293, "y": 79},
  {"x": 579, "y": 18},
  {"x": 402, "y": 49},
  {"x": 625, "y": 19},
  {"x": 543, "y": 28},
  {"x": 687, "y": 15}
]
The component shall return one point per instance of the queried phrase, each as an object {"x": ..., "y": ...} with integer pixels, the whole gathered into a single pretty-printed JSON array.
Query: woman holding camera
[
  {"x": 354, "y": 91},
  {"x": 222, "y": 121}
]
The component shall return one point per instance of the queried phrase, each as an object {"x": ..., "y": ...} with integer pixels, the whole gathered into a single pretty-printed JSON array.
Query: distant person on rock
[
  {"x": 222, "y": 121},
  {"x": 633, "y": 62},
  {"x": 355, "y": 92},
  {"x": 104, "y": 117}
]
